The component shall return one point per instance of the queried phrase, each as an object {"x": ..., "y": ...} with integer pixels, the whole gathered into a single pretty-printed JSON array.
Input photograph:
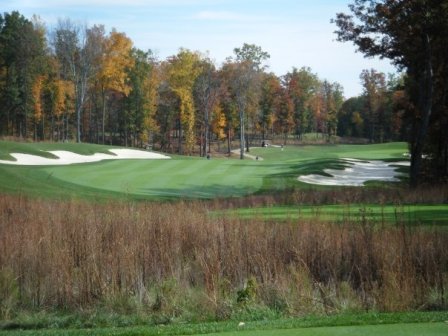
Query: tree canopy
[{"x": 412, "y": 34}]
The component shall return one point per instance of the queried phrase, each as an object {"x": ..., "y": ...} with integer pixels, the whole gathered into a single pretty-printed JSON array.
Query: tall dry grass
[{"x": 174, "y": 257}]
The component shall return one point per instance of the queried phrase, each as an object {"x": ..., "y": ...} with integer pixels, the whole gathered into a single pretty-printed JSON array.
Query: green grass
[
  {"x": 413, "y": 214},
  {"x": 178, "y": 177},
  {"x": 410, "y": 329},
  {"x": 383, "y": 151},
  {"x": 197, "y": 178},
  {"x": 192, "y": 177},
  {"x": 412, "y": 323}
]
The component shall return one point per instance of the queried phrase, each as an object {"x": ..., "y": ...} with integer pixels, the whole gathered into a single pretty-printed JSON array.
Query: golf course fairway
[{"x": 181, "y": 177}]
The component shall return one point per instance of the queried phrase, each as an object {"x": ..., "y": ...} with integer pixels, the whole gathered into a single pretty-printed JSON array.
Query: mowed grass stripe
[
  {"x": 427, "y": 214},
  {"x": 175, "y": 177},
  {"x": 127, "y": 176}
]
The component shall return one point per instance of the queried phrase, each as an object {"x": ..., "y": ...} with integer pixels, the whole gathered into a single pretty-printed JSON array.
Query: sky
[{"x": 296, "y": 33}]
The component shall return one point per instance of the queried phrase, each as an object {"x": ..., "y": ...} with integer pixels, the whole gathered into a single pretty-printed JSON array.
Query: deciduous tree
[
  {"x": 70, "y": 41},
  {"x": 284, "y": 118},
  {"x": 270, "y": 99},
  {"x": 206, "y": 91},
  {"x": 245, "y": 84},
  {"x": 374, "y": 91},
  {"x": 22, "y": 59},
  {"x": 302, "y": 86},
  {"x": 183, "y": 69},
  {"x": 141, "y": 103},
  {"x": 412, "y": 34},
  {"x": 113, "y": 73}
]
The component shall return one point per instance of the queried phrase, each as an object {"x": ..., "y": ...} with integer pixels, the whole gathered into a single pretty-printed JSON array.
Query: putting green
[{"x": 195, "y": 178}]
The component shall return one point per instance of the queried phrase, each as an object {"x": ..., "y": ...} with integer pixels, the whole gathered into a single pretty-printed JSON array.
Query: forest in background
[{"x": 85, "y": 84}]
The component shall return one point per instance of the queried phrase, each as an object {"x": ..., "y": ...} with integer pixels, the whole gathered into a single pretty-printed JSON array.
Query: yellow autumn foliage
[
  {"x": 219, "y": 122},
  {"x": 116, "y": 60},
  {"x": 183, "y": 69},
  {"x": 37, "y": 96}
]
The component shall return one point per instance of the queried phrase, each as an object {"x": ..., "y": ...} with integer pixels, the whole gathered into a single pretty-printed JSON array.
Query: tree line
[{"x": 84, "y": 83}]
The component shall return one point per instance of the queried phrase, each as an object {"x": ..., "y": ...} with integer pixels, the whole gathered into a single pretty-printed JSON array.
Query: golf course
[
  {"x": 183, "y": 177},
  {"x": 224, "y": 168},
  {"x": 72, "y": 190}
]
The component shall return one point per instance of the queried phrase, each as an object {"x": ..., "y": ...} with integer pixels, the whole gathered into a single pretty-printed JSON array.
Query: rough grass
[{"x": 174, "y": 263}]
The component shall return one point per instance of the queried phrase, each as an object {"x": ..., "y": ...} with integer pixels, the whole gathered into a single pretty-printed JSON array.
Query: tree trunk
[
  {"x": 202, "y": 146},
  {"x": 103, "y": 120},
  {"x": 207, "y": 133},
  {"x": 78, "y": 106},
  {"x": 180, "y": 149},
  {"x": 228, "y": 141},
  {"x": 241, "y": 134},
  {"x": 78, "y": 125},
  {"x": 426, "y": 92}
]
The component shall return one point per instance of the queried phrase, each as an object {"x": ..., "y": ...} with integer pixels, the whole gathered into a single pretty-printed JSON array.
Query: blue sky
[{"x": 295, "y": 33}]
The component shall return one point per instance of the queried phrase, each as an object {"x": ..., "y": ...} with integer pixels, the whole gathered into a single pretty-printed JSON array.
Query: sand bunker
[
  {"x": 66, "y": 157},
  {"x": 358, "y": 173}
]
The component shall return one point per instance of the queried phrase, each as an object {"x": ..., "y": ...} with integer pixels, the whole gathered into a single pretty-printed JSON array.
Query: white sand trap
[
  {"x": 358, "y": 173},
  {"x": 66, "y": 157}
]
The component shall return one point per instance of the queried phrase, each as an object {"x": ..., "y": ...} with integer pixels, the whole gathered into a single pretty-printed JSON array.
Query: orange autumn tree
[{"x": 53, "y": 101}]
